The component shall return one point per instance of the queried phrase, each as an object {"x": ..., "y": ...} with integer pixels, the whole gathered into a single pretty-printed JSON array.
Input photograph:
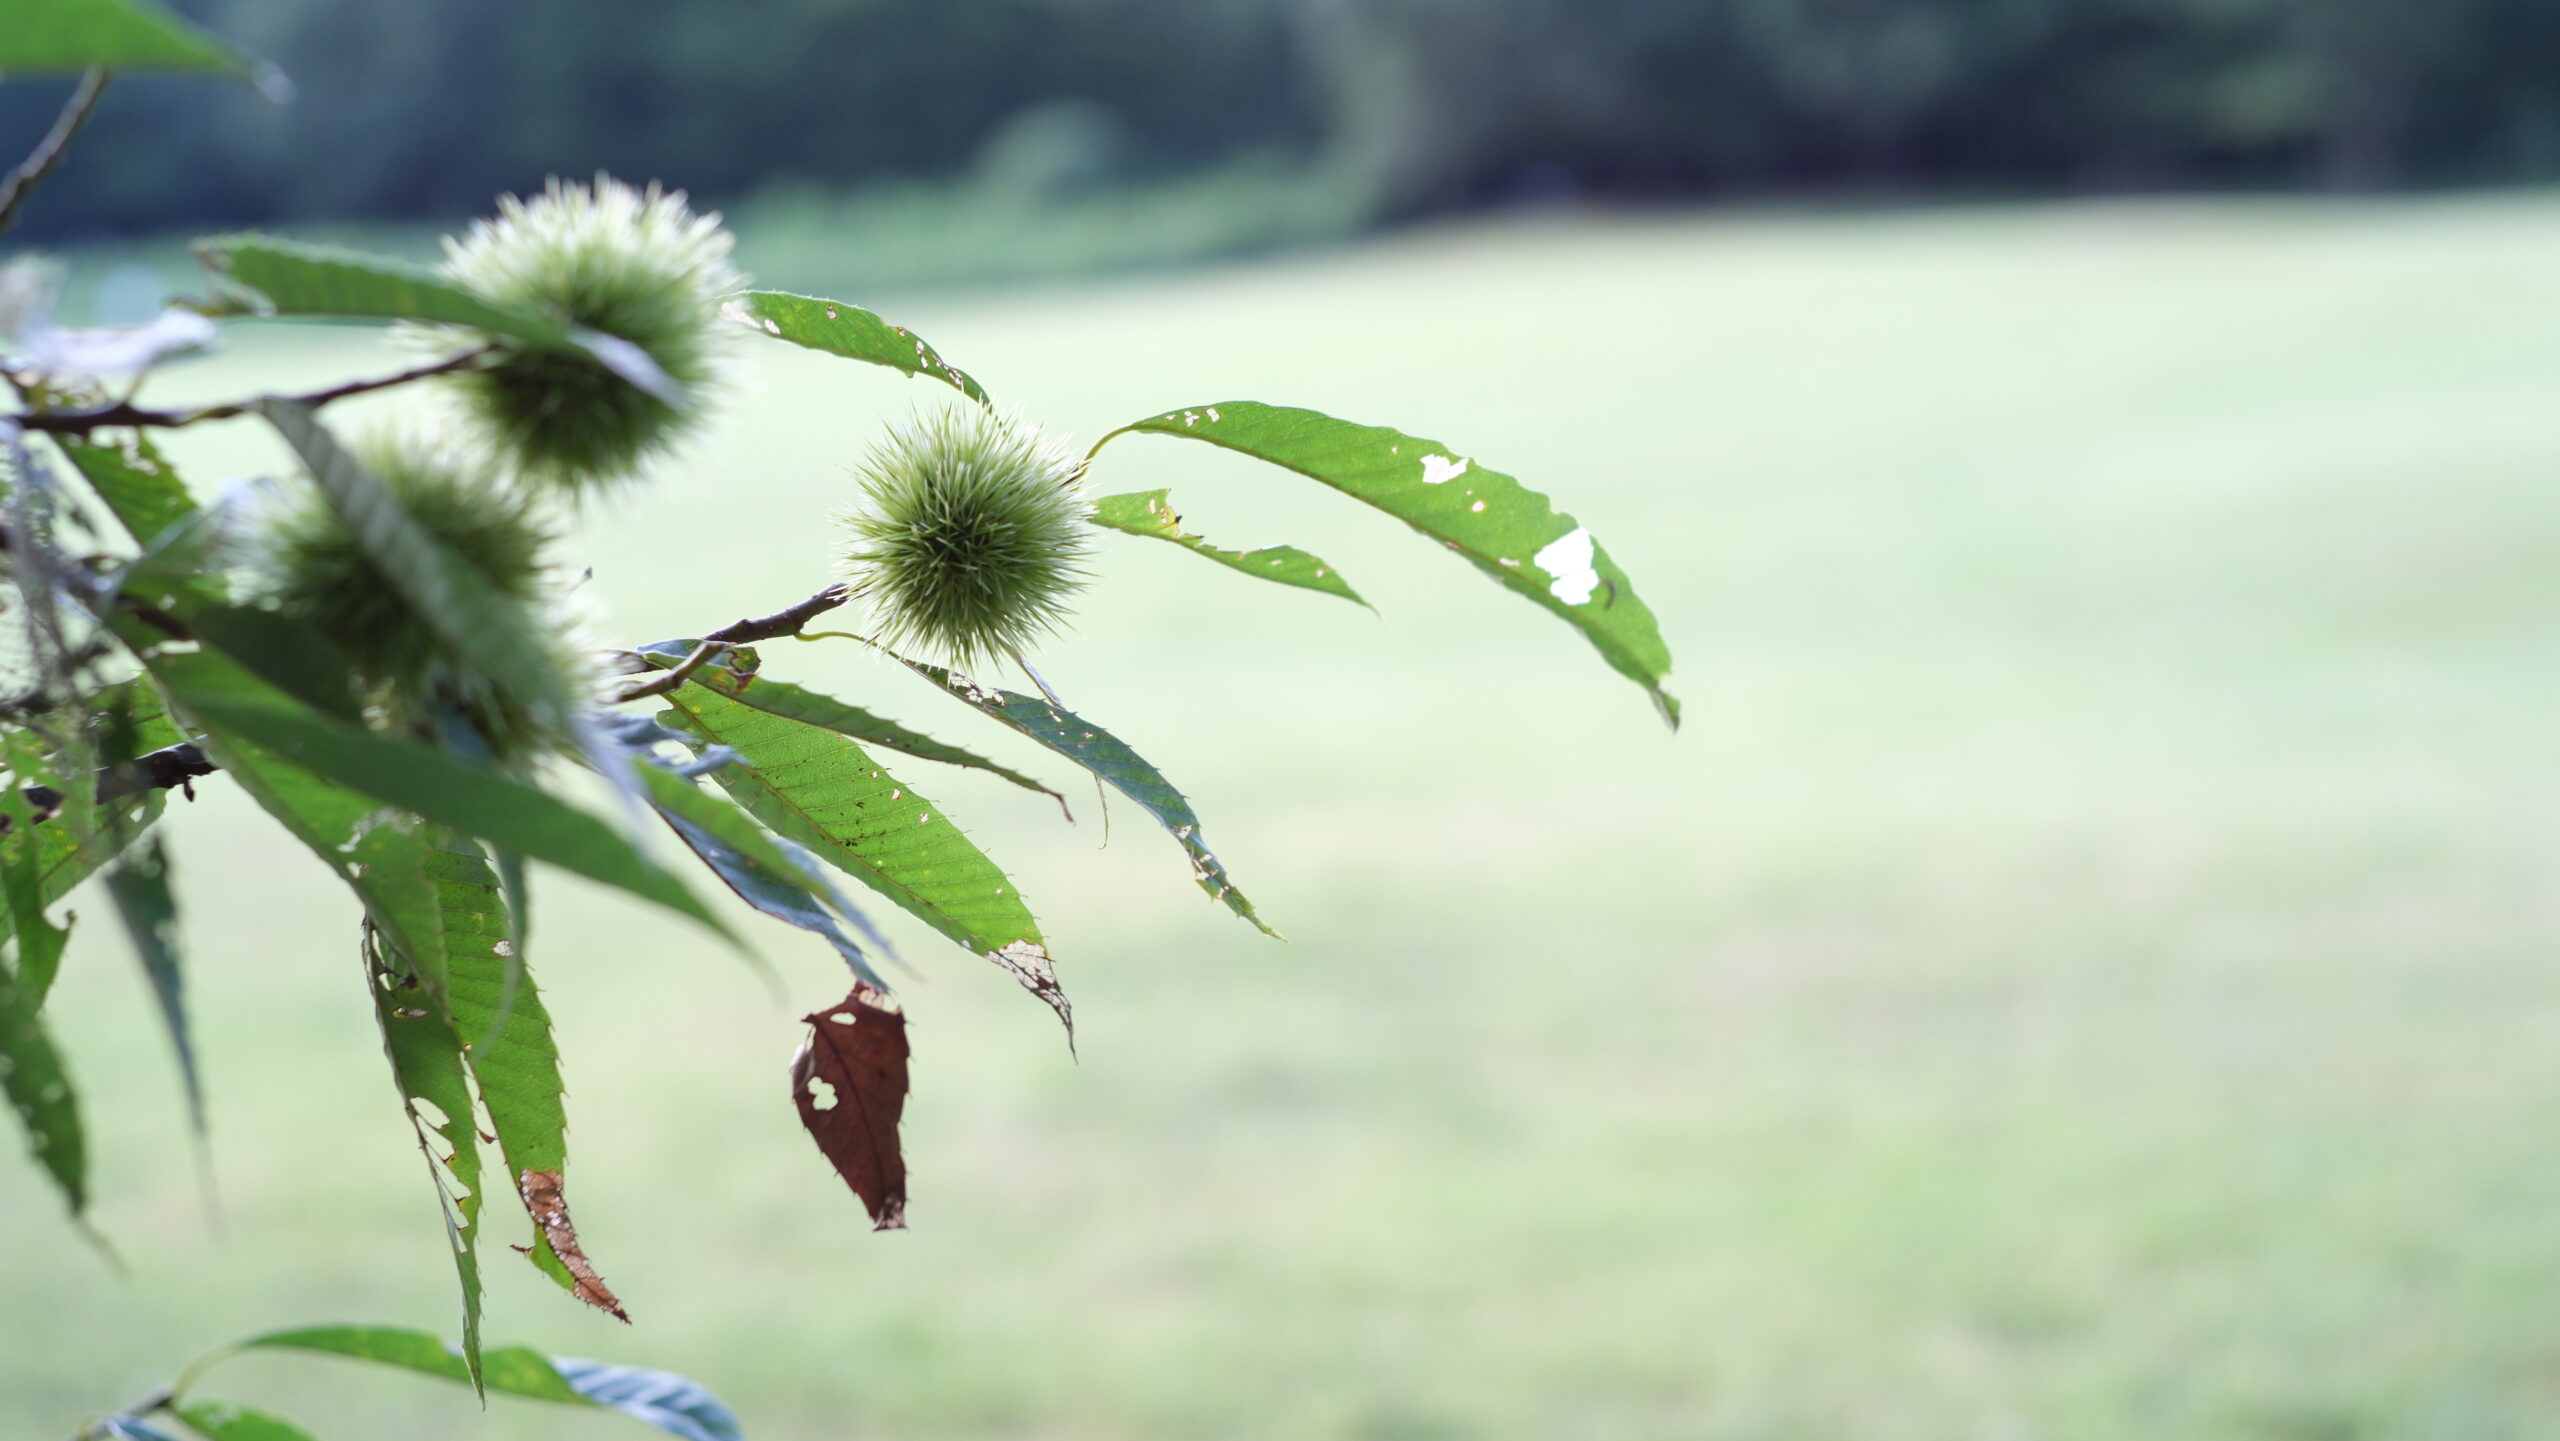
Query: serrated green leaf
[
  {"x": 849, "y": 331},
  {"x": 673, "y": 1404},
  {"x": 54, "y": 36},
  {"x": 323, "y": 281},
  {"x": 233, "y": 705},
  {"x": 498, "y": 1009},
  {"x": 820, "y": 790},
  {"x": 139, "y": 885},
  {"x": 446, "y": 591},
  {"x": 1110, "y": 759},
  {"x": 39, "y": 1091},
  {"x": 427, "y": 1065},
  {"x": 227, "y": 1421},
  {"x": 737, "y": 676},
  {"x": 1508, "y": 531},
  {"x": 817, "y": 789},
  {"x": 1150, "y": 513}
]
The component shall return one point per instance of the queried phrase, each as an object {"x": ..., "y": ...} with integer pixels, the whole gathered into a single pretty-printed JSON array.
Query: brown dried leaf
[
  {"x": 849, "y": 1080},
  {"x": 1030, "y": 964},
  {"x": 550, "y": 1211}
]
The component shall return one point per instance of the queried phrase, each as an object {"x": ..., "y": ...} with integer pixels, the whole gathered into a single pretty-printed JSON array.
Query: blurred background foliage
[{"x": 1236, "y": 123}]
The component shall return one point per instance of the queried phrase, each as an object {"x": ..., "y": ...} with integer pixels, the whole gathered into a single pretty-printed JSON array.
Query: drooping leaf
[
  {"x": 849, "y": 1080},
  {"x": 22, "y": 866},
  {"x": 671, "y": 1403},
  {"x": 820, "y": 790},
  {"x": 497, "y": 1009},
  {"x": 467, "y": 612},
  {"x": 754, "y": 868},
  {"x": 435, "y": 1094},
  {"x": 39, "y": 1091},
  {"x": 322, "y": 281},
  {"x": 849, "y": 331},
  {"x": 1508, "y": 531},
  {"x": 1109, "y": 758},
  {"x": 228, "y": 1421},
  {"x": 1150, "y": 513},
  {"x": 737, "y": 675},
  {"x": 233, "y": 705},
  {"x": 55, "y": 36},
  {"x": 139, "y": 885}
]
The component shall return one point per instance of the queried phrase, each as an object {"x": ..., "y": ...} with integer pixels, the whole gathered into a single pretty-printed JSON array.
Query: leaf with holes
[
  {"x": 737, "y": 675},
  {"x": 1508, "y": 531},
  {"x": 849, "y": 331},
  {"x": 39, "y": 1090},
  {"x": 1150, "y": 514},
  {"x": 435, "y": 1093},
  {"x": 820, "y": 790},
  {"x": 849, "y": 1080},
  {"x": 498, "y": 1012},
  {"x": 1110, "y": 759}
]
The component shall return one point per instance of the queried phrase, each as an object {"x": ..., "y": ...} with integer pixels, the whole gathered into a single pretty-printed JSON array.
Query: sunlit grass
[{"x": 2085, "y": 969}]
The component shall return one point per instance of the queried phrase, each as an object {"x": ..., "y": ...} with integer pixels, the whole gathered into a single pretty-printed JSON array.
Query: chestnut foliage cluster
[{"x": 383, "y": 648}]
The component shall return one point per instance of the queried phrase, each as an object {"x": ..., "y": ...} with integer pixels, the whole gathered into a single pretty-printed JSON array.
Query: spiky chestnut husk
[
  {"x": 971, "y": 535},
  {"x": 307, "y": 565},
  {"x": 634, "y": 264}
]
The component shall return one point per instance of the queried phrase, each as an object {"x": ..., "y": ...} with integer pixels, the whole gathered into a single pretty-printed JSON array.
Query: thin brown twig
[
  {"x": 126, "y": 413},
  {"x": 781, "y": 622},
  {"x": 675, "y": 675},
  {"x": 49, "y": 151}
]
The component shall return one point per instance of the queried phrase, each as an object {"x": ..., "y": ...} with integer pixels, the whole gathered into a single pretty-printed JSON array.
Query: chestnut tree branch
[
  {"x": 49, "y": 151},
  {"x": 126, "y": 413}
]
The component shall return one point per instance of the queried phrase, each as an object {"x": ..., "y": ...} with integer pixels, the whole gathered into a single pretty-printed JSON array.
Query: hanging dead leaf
[
  {"x": 849, "y": 1080},
  {"x": 550, "y": 1211},
  {"x": 1030, "y": 964}
]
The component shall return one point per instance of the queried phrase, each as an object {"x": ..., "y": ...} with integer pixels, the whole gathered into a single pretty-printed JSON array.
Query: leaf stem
[{"x": 49, "y": 151}]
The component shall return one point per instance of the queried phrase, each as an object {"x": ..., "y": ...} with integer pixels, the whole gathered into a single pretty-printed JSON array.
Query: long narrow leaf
[
  {"x": 497, "y": 1008},
  {"x": 1109, "y": 758},
  {"x": 427, "y": 1065},
  {"x": 68, "y": 35},
  {"x": 1150, "y": 513},
  {"x": 230, "y": 703},
  {"x": 737, "y": 675},
  {"x": 313, "y": 280},
  {"x": 139, "y": 885},
  {"x": 39, "y": 1091},
  {"x": 1508, "y": 531},
  {"x": 227, "y": 1421},
  {"x": 671, "y": 1403},
  {"x": 820, "y": 790},
  {"x": 849, "y": 331}
]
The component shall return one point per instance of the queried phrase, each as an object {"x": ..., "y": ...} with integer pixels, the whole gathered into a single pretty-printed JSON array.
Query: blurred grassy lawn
[{"x": 2084, "y": 971}]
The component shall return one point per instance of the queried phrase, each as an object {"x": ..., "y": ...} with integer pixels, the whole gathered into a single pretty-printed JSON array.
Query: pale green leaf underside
[
  {"x": 822, "y": 791},
  {"x": 849, "y": 331},
  {"x": 1510, "y": 532},
  {"x": 1110, "y": 759},
  {"x": 1150, "y": 513}
]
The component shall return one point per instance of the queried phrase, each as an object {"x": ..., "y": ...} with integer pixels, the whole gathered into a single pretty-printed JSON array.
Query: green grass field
[{"x": 2085, "y": 970}]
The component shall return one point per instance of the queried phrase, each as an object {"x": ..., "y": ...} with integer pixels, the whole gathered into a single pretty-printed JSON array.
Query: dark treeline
[{"x": 427, "y": 109}]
